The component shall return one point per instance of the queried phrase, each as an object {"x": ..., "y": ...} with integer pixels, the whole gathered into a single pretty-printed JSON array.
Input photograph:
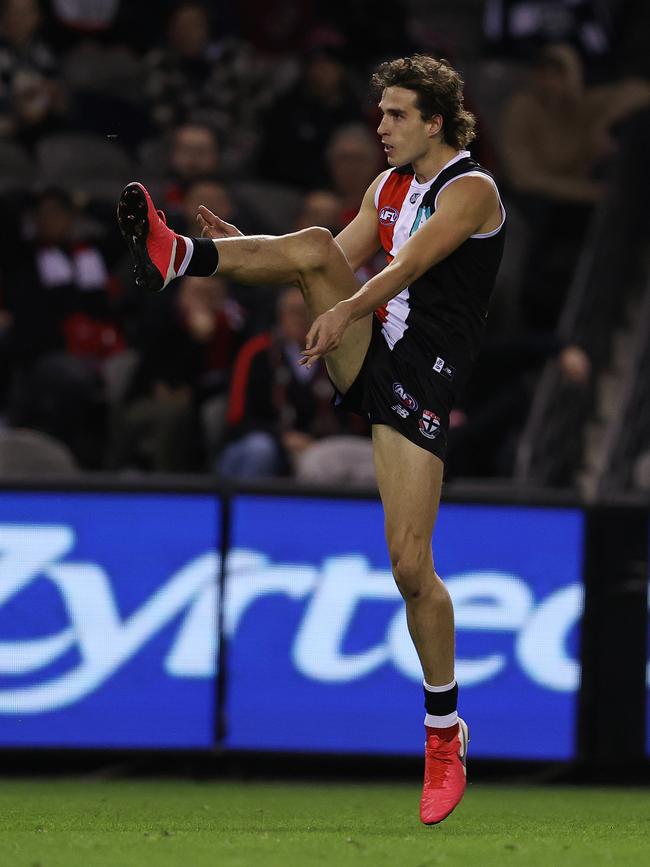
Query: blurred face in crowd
[
  {"x": 189, "y": 31},
  {"x": 550, "y": 82},
  {"x": 53, "y": 220},
  {"x": 557, "y": 77},
  {"x": 320, "y": 208},
  {"x": 211, "y": 194},
  {"x": 354, "y": 162},
  {"x": 19, "y": 20},
  {"x": 199, "y": 299},
  {"x": 194, "y": 152},
  {"x": 293, "y": 318},
  {"x": 324, "y": 74},
  {"x": 205, "y": 293},
  {"x": 406, "y": 137}
]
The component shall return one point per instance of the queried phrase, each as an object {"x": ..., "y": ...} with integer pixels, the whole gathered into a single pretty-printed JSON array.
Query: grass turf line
[{"x": 172, "y": 823}]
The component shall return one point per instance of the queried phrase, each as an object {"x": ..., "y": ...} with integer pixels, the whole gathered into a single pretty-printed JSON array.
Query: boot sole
[{"x": 133, "y": 220}]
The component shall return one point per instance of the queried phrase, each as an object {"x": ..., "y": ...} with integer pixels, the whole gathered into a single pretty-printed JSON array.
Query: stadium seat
[
  {"x": 84, "y": 163},
  {"x": 30, "y": 454},
  {"x": 153, "y": 155},
  {"x": 338, "y": 460},
  {"x": 16, "y": 168},
  {"x": 104, "y": 71},
  {"x": 274, "y": 206},
  {"x": 117, "y": 372}
]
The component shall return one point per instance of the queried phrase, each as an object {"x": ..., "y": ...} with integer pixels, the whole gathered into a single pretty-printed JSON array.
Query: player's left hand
[
  {"x": 325, "y": 334},
  {"x": 213, "y": 226}
]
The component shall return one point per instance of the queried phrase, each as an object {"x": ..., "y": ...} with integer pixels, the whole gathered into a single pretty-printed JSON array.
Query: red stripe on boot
[{"x": 181, "y": 250}]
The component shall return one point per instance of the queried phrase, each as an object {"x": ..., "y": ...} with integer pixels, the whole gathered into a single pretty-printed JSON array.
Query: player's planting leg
[
  {"x": 410, "y": 479},
  {"x": 311, "y": 258}
]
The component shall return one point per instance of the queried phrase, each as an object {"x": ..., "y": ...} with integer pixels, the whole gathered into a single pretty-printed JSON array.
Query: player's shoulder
[
  {"x": 391, "y": 182},
  {"x": 372, "y": 193},
  {"x": 468, "y": 189},
  {"x": 466, "y": 177},
  {"x": 380, "y": 180}
]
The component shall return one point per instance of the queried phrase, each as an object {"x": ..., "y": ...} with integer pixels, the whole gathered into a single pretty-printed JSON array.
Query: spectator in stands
[
  {"x": 320, "y": 208},
  {"x": 189, "y": 340},
  {"x": 32, "y": 99},
  {"x": 485, "y": 428},
  {"x": 217, "y": 196},
  {"x": 193, "y": 155},
  {"x": 354, "y": 159},
  {"x": 62, "y": 328},
  {"x": 556, "y": 139},
  {"x": 277, "y": 408},
  {"x": 217, "y": 81},
  {"x": 301, "y": 123}
]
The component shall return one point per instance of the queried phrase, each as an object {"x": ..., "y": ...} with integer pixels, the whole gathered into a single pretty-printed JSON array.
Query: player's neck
[{"x": 431, "y": 163}]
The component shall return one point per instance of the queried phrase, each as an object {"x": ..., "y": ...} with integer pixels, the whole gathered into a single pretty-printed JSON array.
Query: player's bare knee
[
  {"x": 316, "y": 244},
  {"x": 413, "y": 572}
]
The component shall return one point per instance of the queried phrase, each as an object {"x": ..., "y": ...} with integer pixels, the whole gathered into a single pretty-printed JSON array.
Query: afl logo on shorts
[
  {"x": 408, "y": 401},
  {"x": 429, "y": 424},
  {"x": 388, "y": 216}
]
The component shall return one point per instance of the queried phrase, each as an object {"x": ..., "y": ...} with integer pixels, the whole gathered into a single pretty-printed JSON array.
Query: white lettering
[
  {"x": 346, "y": 581},
  {"x": 329, "y": 596},
  {"x": 541, "y": 646}
]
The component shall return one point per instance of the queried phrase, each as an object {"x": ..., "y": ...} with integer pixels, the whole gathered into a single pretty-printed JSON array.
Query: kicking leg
[{"x": 310, "y": 258}]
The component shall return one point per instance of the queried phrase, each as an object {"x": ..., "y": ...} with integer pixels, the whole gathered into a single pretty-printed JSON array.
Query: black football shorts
[{"x": 410, "y": 396}]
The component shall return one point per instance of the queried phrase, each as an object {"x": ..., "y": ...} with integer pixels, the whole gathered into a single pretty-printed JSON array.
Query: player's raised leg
[
  {"x": 410, "y": 480},
  {"x": 310, "y": 258}
]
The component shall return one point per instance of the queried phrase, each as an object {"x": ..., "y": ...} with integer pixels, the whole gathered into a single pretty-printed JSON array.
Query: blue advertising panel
[
  {"x": 319, "y": 656},
  {"x": 108, "y": 619}
]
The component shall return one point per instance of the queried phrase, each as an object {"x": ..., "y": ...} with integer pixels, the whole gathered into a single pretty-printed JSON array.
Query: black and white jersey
[{"x": 441, "y": 316}]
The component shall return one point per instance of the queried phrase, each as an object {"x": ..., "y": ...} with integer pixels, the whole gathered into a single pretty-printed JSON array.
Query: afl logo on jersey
[
  {"x": 408, "y": 400},
  {"x": 388, "y": 216}
]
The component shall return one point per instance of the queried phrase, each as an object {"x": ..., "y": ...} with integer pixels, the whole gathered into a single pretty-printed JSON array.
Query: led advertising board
[
  {"x": 319, "y": 656},
  {"x": 108, "y": 619}
]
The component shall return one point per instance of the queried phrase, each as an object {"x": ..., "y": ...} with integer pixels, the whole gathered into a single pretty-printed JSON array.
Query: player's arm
[
  {"x": 465, "y": 207},
  {"x": 360, "y": 238}
]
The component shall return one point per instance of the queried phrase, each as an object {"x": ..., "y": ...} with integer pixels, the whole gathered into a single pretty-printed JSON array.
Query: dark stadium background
[{"x": 261, "y": 110}]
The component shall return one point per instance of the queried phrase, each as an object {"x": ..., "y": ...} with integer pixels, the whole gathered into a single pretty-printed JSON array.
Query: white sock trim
[
  {"x": 441, "y": 722},
  {"x": 444, "y": 688},
  {"x": 189, "y": 249}
]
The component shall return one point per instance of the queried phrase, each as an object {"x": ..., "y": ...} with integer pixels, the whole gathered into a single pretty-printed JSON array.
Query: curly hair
[{"x": 439, "y": 90}]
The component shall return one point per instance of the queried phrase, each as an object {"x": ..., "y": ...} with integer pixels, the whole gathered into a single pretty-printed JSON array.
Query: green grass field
[{"x": 171, "y": 823}]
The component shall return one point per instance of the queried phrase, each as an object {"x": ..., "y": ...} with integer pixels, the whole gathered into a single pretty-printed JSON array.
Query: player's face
[{"x": 405, "y": 136}]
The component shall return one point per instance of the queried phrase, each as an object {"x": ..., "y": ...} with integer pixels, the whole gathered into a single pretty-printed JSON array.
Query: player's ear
[{"x": 435, "y": 125}]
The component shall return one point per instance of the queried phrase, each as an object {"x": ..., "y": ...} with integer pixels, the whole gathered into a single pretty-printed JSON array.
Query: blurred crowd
[{"x": 261, "y": 111}]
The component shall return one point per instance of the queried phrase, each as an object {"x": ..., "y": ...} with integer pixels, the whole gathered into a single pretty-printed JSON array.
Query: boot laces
[{"x": 440, "y": 755}]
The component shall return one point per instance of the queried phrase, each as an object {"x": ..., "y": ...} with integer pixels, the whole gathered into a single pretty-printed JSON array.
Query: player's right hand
[{"x": 213, "y": 226}]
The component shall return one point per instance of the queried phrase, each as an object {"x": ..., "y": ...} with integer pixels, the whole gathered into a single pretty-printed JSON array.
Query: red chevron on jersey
[{"x": 392, "y": 193}]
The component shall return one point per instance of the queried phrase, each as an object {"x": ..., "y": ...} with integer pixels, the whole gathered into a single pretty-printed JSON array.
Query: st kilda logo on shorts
[
  {"x": 429, "y": 424},
  {"x": 408, "y": 400},
  {"x": 388, "y": 216}
]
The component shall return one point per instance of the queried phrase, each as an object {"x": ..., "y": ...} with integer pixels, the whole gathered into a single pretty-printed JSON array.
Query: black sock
[
  {"x": 204, "y": 259},
  {"x": 441, "y": 703}
]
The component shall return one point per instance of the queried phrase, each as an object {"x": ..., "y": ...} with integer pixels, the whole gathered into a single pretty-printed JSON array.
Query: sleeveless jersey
[{"x": 441, "y": 316}]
